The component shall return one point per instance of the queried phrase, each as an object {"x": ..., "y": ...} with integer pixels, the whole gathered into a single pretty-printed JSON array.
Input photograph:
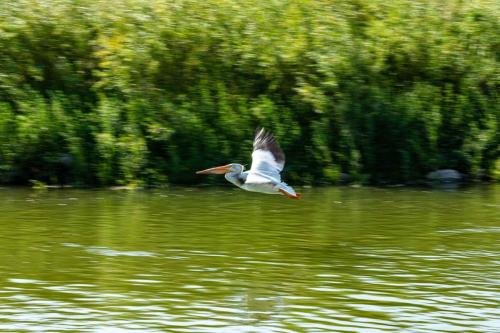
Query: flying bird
[{"x": 264, "y": 176}]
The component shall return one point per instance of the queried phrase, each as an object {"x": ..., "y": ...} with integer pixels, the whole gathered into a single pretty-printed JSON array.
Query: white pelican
[{"x": 264, "y": 175}]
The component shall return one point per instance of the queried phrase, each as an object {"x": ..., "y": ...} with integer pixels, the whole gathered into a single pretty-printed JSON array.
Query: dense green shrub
[{"x": 145, "y": 92}]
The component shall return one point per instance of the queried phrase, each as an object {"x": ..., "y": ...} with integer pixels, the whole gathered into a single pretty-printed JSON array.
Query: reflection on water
[{"x": 222, "y": 260}]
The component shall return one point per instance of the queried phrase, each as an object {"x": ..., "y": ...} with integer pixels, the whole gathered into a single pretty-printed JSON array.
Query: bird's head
[{"x": 223, "y": 169}]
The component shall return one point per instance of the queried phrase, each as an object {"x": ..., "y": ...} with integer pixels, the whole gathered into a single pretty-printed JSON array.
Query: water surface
[{"x": 223, "y": 260}]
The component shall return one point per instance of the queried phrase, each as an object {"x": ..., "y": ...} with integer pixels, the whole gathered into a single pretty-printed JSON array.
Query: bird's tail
[{"x": 290, "y": 195}]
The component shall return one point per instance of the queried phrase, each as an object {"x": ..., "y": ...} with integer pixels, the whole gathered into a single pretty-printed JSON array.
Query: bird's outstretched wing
[{"x": 268, "y": 159}]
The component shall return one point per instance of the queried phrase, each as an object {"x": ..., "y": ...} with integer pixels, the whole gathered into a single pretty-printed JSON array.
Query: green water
[{"x": 224, "y": 260}]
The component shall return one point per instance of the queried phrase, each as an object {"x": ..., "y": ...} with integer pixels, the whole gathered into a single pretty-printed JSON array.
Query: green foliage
[{"x": 151, "y": 91}]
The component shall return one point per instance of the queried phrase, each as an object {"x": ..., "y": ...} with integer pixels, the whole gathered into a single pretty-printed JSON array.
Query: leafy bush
[{"x": 153, "y": 90}]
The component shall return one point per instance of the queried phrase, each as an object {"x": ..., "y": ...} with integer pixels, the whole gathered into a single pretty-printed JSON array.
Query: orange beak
[{"x": 220, "y": 170}]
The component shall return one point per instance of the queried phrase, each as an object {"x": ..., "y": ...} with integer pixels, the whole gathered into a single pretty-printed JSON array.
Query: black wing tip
[
  {"x": 262, "y": 135},
  {"x": 261, "y": 131}
]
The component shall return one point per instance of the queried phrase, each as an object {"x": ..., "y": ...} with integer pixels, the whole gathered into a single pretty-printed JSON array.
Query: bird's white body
[
  {"x": 264, "y": 174},
  {"x": 268, "y": 188}
]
